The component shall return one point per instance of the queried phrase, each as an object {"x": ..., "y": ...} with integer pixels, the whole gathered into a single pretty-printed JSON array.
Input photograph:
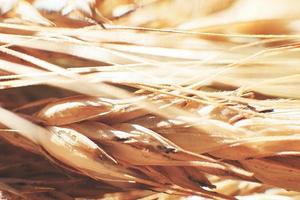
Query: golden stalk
[{"x": 147, "y": 99}]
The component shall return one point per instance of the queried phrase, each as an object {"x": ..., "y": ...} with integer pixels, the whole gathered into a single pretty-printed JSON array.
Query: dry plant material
[{"x": 149, "y": 99}]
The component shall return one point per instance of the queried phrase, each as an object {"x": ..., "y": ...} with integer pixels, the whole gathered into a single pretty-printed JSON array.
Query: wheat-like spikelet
[{"x": 149, "y": 99}]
